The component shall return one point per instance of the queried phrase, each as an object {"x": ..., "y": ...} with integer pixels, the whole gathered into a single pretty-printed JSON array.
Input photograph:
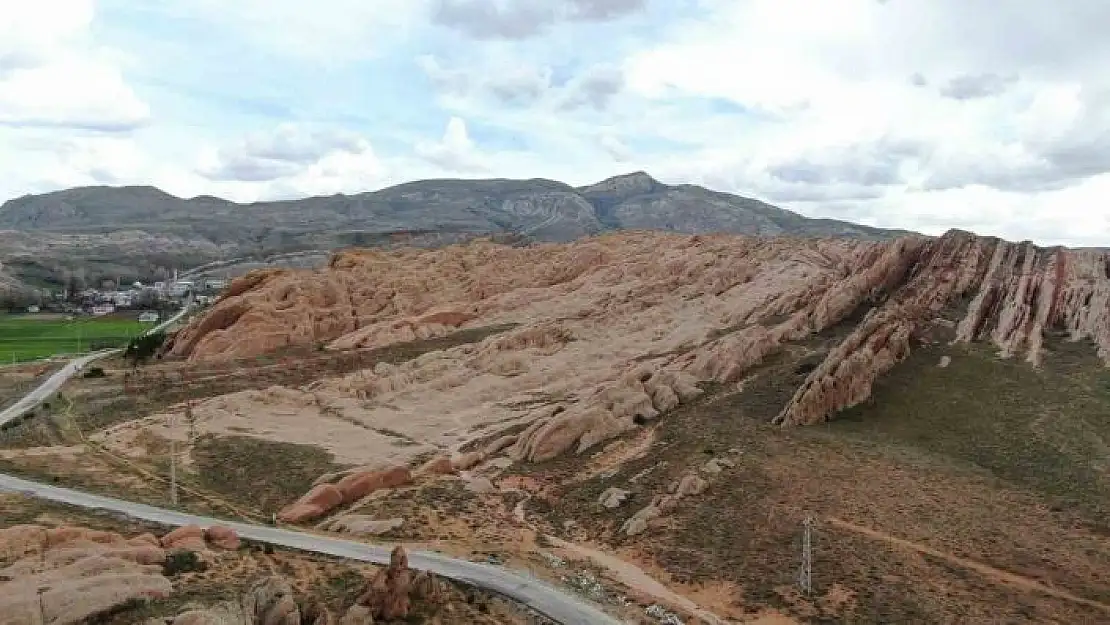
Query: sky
[{"x": 927, "y": 115}]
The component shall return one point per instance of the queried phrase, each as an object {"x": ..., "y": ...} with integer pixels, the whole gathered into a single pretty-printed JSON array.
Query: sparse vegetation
[{"x": 263, "y": 474}]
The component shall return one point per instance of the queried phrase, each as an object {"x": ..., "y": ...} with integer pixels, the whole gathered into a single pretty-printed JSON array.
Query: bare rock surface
[
  {"x": 362, "y": 525},
  {"x": 70, "y": 575},
  {"x": 613, "y": 332}
]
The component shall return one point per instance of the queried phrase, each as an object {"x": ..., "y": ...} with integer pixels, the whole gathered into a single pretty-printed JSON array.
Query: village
[{"x": 151, "y": 301}]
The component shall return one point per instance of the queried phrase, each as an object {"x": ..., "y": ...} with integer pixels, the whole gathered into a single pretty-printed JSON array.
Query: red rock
[
  {"x": 314, "y": 504},
  {"x": 358, "y": 485},
  {"x": 437, "y": 466},
  {"x": 222, "y": 537},
  {"x": 190, "y": 537}
]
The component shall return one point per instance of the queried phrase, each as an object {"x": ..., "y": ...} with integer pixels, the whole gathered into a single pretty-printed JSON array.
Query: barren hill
[
  {"x": 616, "y": 330},
  {"x": 109, "y": 231},
  {"x": 608, "y": 414}
]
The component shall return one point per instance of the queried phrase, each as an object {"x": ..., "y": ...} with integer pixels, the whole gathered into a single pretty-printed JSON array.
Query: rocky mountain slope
[
  {"x": 614, "y": 331},
  {"x": 110, "y": 230}
]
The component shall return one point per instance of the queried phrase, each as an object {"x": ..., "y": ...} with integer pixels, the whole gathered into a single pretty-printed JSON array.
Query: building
[
  {"x": 103, "y": 309},
  {"x": 122, "y": 299},
  {"x": 149, "y": 316},
  {"x": 215, "y": 284},
  {"x": 180, "y": 288},
  {"x": 32, "y": 309}
]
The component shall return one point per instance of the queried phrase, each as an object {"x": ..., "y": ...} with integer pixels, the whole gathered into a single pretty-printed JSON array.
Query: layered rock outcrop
[
  {"x": 70, "y": 575},
  {"x": 611, "y": 332}
]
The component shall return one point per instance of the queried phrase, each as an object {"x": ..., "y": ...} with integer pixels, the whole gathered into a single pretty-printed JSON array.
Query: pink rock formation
[
  {"x": 222, "y": 537},
  {"x": 81, "y": 573},
  {"x": 440, "y": 465},
  {"x": 358, "y": 485},
  {"x": 617, "y": 330},
  {"x": 189, "y": 537},
  {"x": 387, "y": 595},
  {"x": 313, "y": 504}
]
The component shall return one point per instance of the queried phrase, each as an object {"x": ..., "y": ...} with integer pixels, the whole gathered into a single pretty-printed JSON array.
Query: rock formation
[
  {"x": 323, "y": 498},
  {"x": 614, "y": 331},
  {"x": 387, "y": 595},
  {"x": 69, "y": 575}
]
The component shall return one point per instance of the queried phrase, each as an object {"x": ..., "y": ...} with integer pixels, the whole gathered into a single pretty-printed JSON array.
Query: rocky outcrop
[
  {"x": 222, "y": 537},
  {"x": 358, "y": 485},
  {"x": 189, "y": 537},
  {"x": 361, "y": 525},
  {"x": 314, "y": 504},
  {"x": 323, "y": 498},
  {"x": 70, "y": 575},
  {"x": 267, "y": 601},
  {"x": 615, "y": 331},
  {"x": 387, "y": 595}
]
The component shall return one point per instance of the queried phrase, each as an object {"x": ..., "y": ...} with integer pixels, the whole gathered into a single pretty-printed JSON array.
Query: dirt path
[{"x": 987, "y": 571}]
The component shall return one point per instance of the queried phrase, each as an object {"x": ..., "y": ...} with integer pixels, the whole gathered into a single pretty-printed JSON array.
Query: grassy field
[{"x": 29, "y": 337}]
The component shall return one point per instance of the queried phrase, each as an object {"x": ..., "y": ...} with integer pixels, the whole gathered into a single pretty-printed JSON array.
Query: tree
[{"x": 141, "y": 348}]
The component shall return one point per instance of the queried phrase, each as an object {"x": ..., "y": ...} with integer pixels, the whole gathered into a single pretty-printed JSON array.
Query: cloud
[
  {"x": 517, "y": 19},
  {"x": 910, "y": 114},
  {"x": 455, "y": 152},
  {"x": 509, "y": 83},
  {"x": 596, "y": 88},
  {"x": 281, "y": 153},
  {"x": 615, "y": 148},
  {"x": 972, "y": 86},
  {"x": 51, "y": 76}
]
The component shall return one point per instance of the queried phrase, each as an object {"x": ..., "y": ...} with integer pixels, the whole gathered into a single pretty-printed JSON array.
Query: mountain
[{"x": 131, "y": 228}]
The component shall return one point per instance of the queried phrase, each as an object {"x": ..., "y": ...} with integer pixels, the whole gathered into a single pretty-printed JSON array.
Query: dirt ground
[{"x": 971, "y": 493}]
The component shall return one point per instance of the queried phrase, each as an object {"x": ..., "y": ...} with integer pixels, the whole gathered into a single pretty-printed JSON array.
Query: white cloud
[
  {"x": 907, "y": 113},
  {"x": 53, "y": 75},
  {"x": 455, "y": 152}
]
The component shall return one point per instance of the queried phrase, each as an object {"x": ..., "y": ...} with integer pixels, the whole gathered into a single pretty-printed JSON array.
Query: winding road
[
  {"x": 537, "y": 595},
  {"x": 61, "y": 376}
]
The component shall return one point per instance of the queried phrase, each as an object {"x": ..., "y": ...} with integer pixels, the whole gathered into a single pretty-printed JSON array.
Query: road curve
[
  {"x": 533, "y": 593},
  {"x": 45, "y": 390}
]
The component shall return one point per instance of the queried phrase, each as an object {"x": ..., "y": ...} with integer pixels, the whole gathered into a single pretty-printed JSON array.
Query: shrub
[
  {"x": 94, "y": 372},
  {"x": 141, "y": 348},
  {"x": 182, "y": 562}
]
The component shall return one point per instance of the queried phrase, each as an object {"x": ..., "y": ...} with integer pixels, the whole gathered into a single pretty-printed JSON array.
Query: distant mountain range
[{"x": 102, "y": 232}]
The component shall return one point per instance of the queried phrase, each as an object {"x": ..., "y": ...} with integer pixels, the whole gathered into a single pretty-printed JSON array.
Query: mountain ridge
[{"x": 207, "y": 228}]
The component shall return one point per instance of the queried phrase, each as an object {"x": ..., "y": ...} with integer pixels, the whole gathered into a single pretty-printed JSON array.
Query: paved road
[
  {"x": 536, "y": 594},
  {"x": 533, "y": 593},
  {"x": 47, "y": 389}
]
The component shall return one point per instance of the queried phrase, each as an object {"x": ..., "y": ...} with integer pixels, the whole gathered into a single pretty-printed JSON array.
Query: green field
[{"x": 30, "y": 337}]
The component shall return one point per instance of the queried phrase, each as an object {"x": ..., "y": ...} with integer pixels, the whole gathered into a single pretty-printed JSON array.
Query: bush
[
  {"x": 95, "y": 372},
  {"x": 141, "y": 348},
  {"x": 182, "y": 562}
]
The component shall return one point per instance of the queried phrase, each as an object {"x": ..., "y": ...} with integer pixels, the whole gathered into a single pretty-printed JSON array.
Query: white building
[
  {"x": 122, "y": 299},
  {"x": 103, "y": 309},
  {"x": 180, "y": 288},
  {"x": 148, "y": 317},
  {"x": 215, "y": 284}
]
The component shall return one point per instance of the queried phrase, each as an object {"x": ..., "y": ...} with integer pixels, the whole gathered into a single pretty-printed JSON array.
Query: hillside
[
  {"x": 109, "y": 231},
  {"x": 648, "y": 418}
]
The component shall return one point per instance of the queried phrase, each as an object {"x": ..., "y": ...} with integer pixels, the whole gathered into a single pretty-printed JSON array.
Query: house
[
  {"x": 215, "y": 284},
  {"x": 32, "y": 309},
  {"x": 180, "y": 288},
  {"x": 103, "y": 309},
  {"x": 160, "y": 286},
  {"x": 122, "y": 299},
  {"x": 149, "y": 316}
]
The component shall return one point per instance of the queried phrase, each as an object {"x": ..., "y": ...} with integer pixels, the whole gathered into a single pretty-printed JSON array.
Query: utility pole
[
  {"x": 173, "y": 461},
  {"x": 805, "y": 575}
]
